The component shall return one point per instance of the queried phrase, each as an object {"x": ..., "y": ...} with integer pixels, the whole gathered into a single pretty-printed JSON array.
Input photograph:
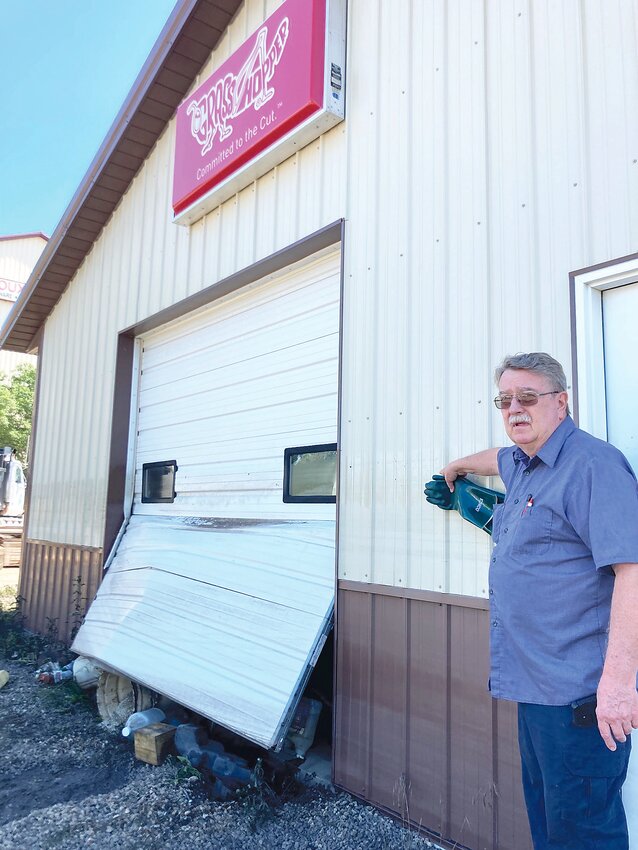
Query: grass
[{"x": 65, "y": 698}]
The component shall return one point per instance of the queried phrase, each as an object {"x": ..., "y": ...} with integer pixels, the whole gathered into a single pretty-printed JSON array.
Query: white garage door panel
[
  {"x": 222, "y": 599},
  {"x": 226, "y": 390},
  {"x": 223, "y": 620}
]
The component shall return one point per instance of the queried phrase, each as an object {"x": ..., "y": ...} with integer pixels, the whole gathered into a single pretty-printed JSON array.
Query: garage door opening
[{"x": 220, "y": 592}]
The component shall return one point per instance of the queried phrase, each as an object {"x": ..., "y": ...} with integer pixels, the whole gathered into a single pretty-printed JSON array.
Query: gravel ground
[{"x": 67, "y": 782}]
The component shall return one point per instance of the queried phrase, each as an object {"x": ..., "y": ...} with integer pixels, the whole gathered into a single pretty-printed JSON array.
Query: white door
[{"x": 620, "y": 331}]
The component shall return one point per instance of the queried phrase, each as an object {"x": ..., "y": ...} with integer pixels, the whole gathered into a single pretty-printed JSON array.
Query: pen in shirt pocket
[{"x": 529, "y": 504}]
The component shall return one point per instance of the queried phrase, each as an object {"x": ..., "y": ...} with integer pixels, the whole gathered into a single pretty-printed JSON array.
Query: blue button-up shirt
[{"x": 570, "y": 513}]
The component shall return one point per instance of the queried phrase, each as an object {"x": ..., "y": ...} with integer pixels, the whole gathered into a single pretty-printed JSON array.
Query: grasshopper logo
[{"x": 212, "y": 115}]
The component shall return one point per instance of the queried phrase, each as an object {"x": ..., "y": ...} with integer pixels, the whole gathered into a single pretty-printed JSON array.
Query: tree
[{"x": 16, "y": 407}]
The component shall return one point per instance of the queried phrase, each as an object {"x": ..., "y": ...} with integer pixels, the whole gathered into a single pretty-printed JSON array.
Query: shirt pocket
[{"x": 533, "y": 531}]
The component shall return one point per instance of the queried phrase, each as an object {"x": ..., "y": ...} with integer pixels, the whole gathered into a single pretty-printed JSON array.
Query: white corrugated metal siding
[
  {"x": 492, "y": 148},
  {"x": 141, "y": 263},
  {"x": 226, "y": 390}
]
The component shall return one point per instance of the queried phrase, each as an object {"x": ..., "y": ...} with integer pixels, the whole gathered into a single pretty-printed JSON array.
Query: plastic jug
[{"x": 142, "y": 718}]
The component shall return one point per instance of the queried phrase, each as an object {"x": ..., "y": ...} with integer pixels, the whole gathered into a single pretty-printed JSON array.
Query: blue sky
[{"x": 65, "y": 69}]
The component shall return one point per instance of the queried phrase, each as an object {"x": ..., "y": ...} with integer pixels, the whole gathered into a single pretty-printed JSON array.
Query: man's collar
[{"x": 550, "y": 449}]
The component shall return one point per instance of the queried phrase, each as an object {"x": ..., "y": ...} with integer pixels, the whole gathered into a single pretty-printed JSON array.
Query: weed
[
  {"x": 410, "y": 839},
  {"x": 78, "y": 609},
  {"x": 52, "y": 630},
  {"x": 65, "y": 698},
  {"x": 185, "y": 770},
  {"x": 13, "y": 641},
  {"x": 258, "y": 800},
  {"x": 17, "y": 643}
]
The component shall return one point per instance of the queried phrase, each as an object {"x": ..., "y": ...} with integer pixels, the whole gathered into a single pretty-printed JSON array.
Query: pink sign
[
  {"x": 10, "y": 289},
  {"x": 270, "y": 85}
]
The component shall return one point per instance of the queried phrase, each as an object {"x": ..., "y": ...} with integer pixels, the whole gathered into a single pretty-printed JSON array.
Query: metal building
[
  {"x": 479, "y": 198},
  {"x": 18, "y": 255}
]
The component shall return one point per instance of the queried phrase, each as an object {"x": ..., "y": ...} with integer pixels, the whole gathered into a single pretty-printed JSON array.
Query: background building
[{"x": 18, "y": 256}]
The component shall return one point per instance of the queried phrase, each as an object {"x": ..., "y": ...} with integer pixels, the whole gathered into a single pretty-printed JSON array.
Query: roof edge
[{"x": 34, "y": 235}]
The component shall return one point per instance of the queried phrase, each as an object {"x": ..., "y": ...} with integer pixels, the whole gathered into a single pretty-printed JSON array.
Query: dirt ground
[{"x": 67, "y": 782}]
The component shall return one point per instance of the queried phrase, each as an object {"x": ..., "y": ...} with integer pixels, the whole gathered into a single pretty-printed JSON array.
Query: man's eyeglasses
[{"x": 527, "y": 398}]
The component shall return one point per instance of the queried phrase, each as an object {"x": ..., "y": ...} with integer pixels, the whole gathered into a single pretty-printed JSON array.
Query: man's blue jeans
[{"x": 572, "y": 782}]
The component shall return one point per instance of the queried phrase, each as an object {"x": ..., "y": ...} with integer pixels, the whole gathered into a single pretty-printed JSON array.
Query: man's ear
[{"x": 563, "y": 401}]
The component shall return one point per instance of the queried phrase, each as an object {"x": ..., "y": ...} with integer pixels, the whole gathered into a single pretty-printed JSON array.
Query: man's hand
[
  {"x": 616, "y": 710},
  {"x": 451, "y": 472},
  {"x": 481, "y": 463}
]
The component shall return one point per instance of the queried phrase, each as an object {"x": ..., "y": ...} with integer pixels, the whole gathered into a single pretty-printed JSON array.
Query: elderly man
[{"x": 564, "y": 606}]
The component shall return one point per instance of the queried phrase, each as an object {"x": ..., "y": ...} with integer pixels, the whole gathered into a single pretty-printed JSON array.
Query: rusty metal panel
[
  {"x": 416, "y": 730},
  {"x": 57, "y": 584}
]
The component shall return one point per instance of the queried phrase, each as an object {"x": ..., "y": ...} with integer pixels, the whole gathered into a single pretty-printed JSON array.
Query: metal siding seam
[
  {"x": 42, "y": 576},
  {"x": 447, "y": 808},
  {"x": 25, "y": 575},
  {"x": 407, "y": 622},
  {"x": 370, "y": 599},
  {"x": 495, "y": 775},
  {"x": 333, "y": 756}
]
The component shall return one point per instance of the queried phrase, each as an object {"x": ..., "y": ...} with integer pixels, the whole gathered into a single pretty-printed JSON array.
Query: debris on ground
[{"x": 68, "y": 781}]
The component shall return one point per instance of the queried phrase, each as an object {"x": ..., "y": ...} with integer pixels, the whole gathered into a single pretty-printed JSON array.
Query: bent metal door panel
[
  {"x": 221, "y": 594},
  {"x": 620, "y": 317}
]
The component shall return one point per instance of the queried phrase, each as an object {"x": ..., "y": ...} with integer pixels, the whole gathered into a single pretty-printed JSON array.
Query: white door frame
[{"x": 588, "y": 356}]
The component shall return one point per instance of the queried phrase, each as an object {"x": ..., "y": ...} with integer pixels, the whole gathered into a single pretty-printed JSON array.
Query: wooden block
[{"x": 153, "y": 742}]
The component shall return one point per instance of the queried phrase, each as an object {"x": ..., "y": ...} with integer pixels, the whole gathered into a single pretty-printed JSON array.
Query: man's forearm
[
  {"x": 481, "y": 463},
  {"x": 617, "y": 698}
]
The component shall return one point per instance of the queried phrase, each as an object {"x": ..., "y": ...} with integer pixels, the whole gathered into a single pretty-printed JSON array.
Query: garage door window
[
  {"x": 158, "y": 481},
  {"x": 310, "y": 473}
]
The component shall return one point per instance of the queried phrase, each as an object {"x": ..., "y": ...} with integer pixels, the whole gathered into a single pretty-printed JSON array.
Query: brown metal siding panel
[
  {"x": 48, "y": 582},
  {"x": 146, "y": 123},
  {"x": 471, "y": 768},
  {"x": 512, "y": 829},
  {"x": 182, "y": 65},
  {"x": 174, "y": 81},
  {"x": 352, "y": 740},
  {"x": 192, "y": 49},
  {"x": 427, "y": 764},
  {"x": 213, "y": 16},
  {"x": 430, "y": 745},
  {"x": 388, "y": 708},
  {"x": 201, "y": 32}
]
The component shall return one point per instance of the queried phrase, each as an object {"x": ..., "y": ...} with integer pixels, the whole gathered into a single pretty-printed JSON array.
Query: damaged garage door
[{"x": 220, "y": 594}]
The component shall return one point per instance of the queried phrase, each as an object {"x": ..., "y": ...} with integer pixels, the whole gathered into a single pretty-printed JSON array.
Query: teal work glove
[{"x": 474, "y": 503}]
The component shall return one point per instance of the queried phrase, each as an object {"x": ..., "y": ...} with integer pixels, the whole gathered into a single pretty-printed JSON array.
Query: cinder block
[{"x": 153, "y": 742}]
